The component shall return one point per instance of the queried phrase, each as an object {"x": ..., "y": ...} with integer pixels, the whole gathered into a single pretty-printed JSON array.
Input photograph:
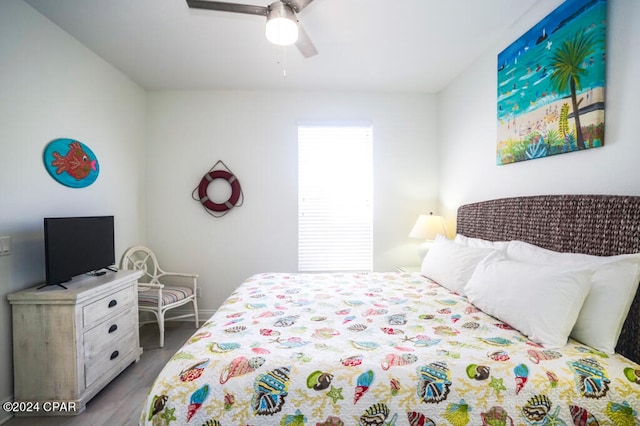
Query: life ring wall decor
[{"x": 236, "y": 199}]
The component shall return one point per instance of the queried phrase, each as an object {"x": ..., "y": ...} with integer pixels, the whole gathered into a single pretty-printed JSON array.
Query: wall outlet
[
  {"x": 199, "y": 292},
  {"x": 5, "y": 246}
]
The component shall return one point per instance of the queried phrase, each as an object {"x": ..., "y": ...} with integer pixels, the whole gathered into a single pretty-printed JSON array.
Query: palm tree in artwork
[{"x": 567, "y": 63}]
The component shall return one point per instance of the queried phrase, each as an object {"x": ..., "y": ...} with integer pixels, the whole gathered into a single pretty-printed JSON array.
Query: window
[{"x": 335, "y": 191}]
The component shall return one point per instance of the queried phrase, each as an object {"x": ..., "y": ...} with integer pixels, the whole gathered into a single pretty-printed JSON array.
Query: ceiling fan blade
[
  {"x": 304, "y": 44},
  {"x": 228, "y": 7},
  {"x": 297, "y": 5}
]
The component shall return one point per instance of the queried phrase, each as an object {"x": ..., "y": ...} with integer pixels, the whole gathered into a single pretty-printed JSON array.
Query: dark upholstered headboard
[{"x": 601, "y": 225}]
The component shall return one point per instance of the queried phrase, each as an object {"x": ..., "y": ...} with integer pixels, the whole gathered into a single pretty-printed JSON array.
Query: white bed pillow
[
  {"x": 481, "y": 243},
  {"x": 541, "y": 301},
  {"x": 613, "y": 286},
  {"x": 451, "y": 264}
]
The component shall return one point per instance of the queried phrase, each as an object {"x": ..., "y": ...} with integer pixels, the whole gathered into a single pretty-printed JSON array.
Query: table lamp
[{"x": 427, "y": 227}]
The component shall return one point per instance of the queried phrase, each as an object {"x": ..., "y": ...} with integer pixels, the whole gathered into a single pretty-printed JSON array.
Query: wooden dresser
[{"x": 69, "y": 344}]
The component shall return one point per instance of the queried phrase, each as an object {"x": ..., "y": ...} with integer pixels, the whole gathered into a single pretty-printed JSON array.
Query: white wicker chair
[{"x": 156, "y": 296}]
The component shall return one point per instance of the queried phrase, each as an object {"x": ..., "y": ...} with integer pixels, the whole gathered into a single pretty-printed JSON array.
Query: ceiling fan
[{"x": 283, "y": 27}]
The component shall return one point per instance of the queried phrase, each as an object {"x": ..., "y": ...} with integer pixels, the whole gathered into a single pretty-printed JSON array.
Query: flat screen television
[{"x": 77, "y": 245}]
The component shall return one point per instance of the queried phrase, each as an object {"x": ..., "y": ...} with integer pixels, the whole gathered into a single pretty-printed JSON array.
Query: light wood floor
[{"x": 120, "y": 402}]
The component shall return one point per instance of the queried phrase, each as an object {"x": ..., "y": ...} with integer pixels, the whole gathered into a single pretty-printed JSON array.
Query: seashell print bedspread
[{"x": 379, "y": 349}]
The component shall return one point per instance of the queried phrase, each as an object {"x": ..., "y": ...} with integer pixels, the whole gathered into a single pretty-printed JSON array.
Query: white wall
[
  {"x": 51, "y": 87},
  {"x": 469, "y": 131},
  {"x": 255, "y": 134}
]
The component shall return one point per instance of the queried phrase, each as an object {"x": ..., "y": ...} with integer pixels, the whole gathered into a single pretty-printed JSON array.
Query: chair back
[{"x": 142, "y": 259}]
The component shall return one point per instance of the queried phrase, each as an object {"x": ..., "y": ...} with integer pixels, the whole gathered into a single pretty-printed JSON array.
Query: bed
[{"x": 400, "y": 349}]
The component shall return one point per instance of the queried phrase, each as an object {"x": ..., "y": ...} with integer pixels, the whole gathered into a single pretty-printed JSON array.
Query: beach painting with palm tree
[{"x": 551, "y": 85}]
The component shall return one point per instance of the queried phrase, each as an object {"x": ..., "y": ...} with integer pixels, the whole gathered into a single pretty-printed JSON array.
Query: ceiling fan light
[{"x": 282, "y": 28}]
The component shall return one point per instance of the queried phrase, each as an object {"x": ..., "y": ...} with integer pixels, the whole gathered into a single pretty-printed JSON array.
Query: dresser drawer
[
  {"x": 108, "y": 358},
  {"x": 108, "y": 306},
  {"x": 104, "y": 334}
]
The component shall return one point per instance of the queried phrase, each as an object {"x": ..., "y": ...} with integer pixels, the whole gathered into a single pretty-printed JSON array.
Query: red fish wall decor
[{"x": 71, "y": 163}]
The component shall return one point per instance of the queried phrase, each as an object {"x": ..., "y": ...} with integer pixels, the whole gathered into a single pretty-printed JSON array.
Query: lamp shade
[
  {"x": 427, "y": 227},
  {"x": 282, "y": 28}
]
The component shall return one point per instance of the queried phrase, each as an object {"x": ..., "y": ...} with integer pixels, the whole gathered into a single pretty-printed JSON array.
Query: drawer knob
[
  {"x": 113, "y": 303},
  {"x": 114, "y": 355},
  {"x": 113, "y": 328}
]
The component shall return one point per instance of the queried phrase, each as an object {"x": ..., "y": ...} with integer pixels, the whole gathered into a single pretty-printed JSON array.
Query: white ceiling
[{"x": 368, "y": 45}]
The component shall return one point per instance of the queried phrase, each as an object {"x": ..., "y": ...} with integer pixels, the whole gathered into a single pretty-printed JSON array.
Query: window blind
[{"x": 335, "y": 191}]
